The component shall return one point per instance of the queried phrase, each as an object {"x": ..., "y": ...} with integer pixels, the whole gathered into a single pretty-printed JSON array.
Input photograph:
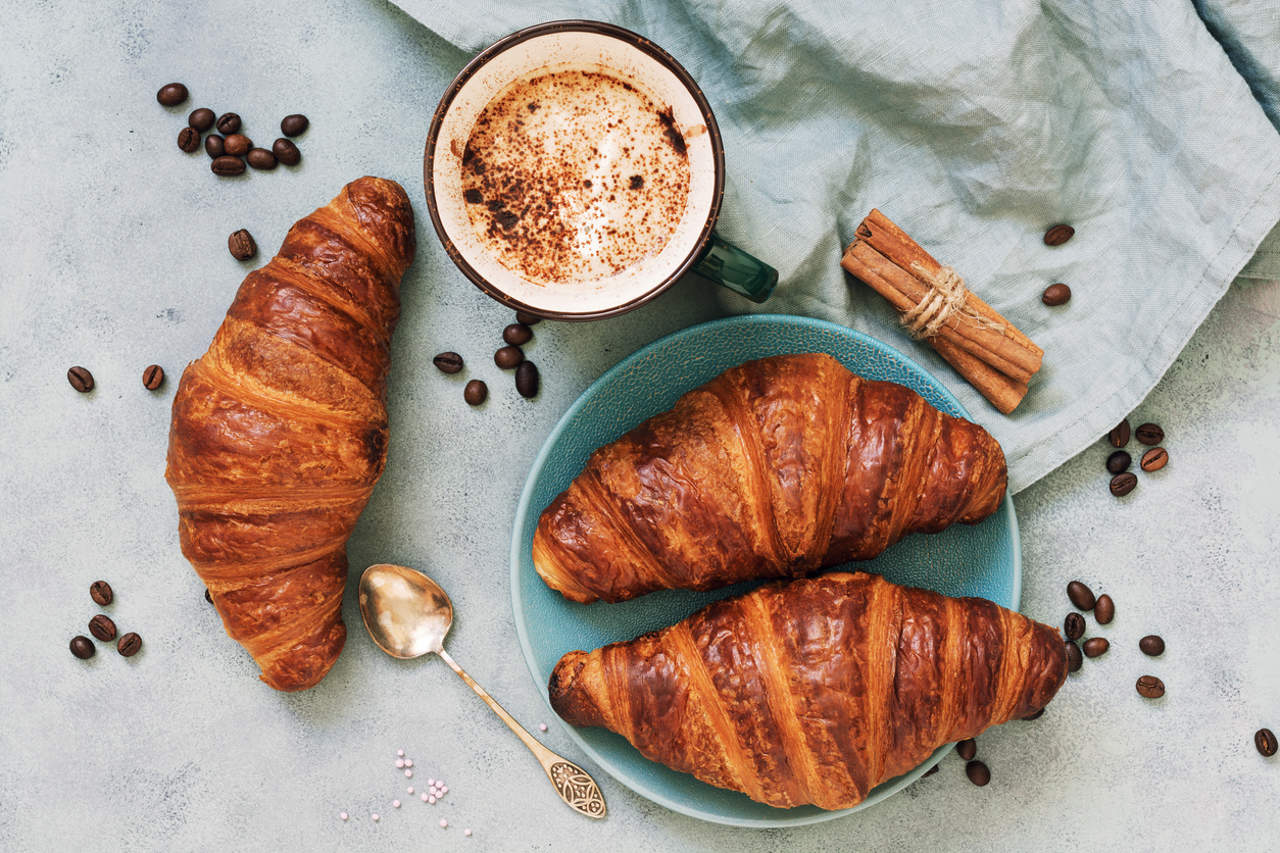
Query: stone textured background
[{"x": 115, "y": 258}]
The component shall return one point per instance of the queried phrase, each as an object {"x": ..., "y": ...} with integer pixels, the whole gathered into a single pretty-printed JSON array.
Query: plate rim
[{"x": 516, "y": 554}]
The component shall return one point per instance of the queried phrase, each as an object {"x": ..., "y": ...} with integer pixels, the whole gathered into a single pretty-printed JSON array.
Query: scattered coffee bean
[
  {"x": 930, "y": 771},
  {"x": 1073, "y": 626},
  {"x": 261, "y": 158},
  {"x": 1154, "y": 459},
  {"x": 152, "y": 377},
  {"x": 517, "y": 334},
  {"x": 172, "y": 94},
  {"x": 529, "y": 319},
  {"x": 1081, "y": 596},
  {"x": 227, "y": 166},
  {"x": 215, "y": 145},
  {"x": 1152, "y": 645},
  {"x": 102, "y": 627},
  {"x": 527, "y": 380},
  {"x": 1149, "y": 434},
  {"x": 1150, "y": 687},
  {"x": 1058, "y": 234},
  {"x": 1119, "y": 461},
  {"x": 978, "y": 773},
  {"x": 1075, "y": 660},
  {"x": 241, "y": 245},
  {"x": 1104, "y": 610},
  {"x": 967, "y": 748},
  {"x": 1056, "y": 294},
  {"x": 475, "y": 393},
  {"x": 508, "y": 357},
  {"x": 100, "y": 592},
  {"x": 1119, "y": 436},
  {"x": 189, "y": 139},
  {"x": 1123, "y": 484},
  {"x": 286, "y": 152},
  {"x": 237, "y": 144},
  {"x": 448, "y": 362},
  {"x": 207, "y": 596},
  {"x": 1265, "y": 741},
  {"x": 80, "y": 378},
  {"x": 129, "y": 644},
  {"x": 294, "y": 124},
  {"x": 82, "y": 647},
  {"x": 228, "y": 123},
  {"x": 201, "y": 119},
  {"x": 1037, "y": 715},
  {"x": 1095, "y": 647}
]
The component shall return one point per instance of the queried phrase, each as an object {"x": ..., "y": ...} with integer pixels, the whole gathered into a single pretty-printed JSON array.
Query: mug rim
[{"x": 644, "y": 45}]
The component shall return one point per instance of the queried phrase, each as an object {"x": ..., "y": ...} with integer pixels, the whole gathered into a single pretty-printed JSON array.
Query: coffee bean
[
  {"x": 1152, "y": 645},
  {"x": 228, "y": 123},
  {"x": 189, "y": 139},
  {"x": 1081, "y": 596},
  {"x": 978, "y": 773},
  {"x": 172, "y": 94},
  {"x": 527, "y": 380},
  {"x": 82, "y": 647},
  {"x": 241, "y": 245},
  {"x": 1123, "y": 484},
  {"x": 475, "y": 393},
  {"x": 152, "y": 377},
  {"x": 1119, "y": 436},
  {"x": 207, "y": 596},
  {"x": 1154, "y": 459},
  {"x": 286, "y": 152},
  {"x": 1095, "y": 647},
  {"x": 508, "y": 357},
  {"x": 1265, "y": 741},
  {"x": 1104, "y": 610},
  {"x": 215, "y": 145},
  {"x": 100, "y": 592},
  {"x": 102, "y": 627},
  {"x": 448, "y": 362},
  {"x": 1035, "y": 716},
  {"x": 1056, "y": 294},
  {"x": 1073, "y": 626},
  {"x": 262, "y": 159},
  {"x": 201, "y": 119},
  {"x": 1058, "y": 234},
  {"x": 517, "y": 334},
  {"x": 530, "y": 319},
  {"x": 1074, "y": 659},
  {"x": 967, "y": 748},
  {"x": 930, "y": 771},
  {"x": 1119, "y": 461},
  {"x": 237, "y": 144},
  {"x": 1149, "y": 434},
  {"x": 1150, "y": 687},
  {"x": 80, "y": 378},
  {"x": 129, "y": 644},
  {"x": 294, "y": 124},
  {"x": 227, "y": 166}
]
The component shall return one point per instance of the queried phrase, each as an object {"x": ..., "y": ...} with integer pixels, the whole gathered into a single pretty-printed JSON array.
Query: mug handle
[{"x": 729, "y": 266}]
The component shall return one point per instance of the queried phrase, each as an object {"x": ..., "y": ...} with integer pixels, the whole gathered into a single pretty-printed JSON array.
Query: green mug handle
[{"x": 729, "y": 266}]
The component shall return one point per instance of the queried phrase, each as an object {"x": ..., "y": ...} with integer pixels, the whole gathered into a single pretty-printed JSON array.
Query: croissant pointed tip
[{"x": 569, "y": 691}]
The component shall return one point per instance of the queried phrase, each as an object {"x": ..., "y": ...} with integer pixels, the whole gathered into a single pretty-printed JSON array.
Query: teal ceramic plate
[{"x": 983, "y": 560}]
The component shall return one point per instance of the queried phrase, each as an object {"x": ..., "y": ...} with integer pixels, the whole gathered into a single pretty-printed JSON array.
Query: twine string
[{"x": 946, "y": 296}]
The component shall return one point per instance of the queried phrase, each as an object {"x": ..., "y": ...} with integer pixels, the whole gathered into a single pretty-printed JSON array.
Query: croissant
[
  {"x": 772, "y": 469},
  {"x": 814, "y": 691},
  {"x": 279, "y": 431}
]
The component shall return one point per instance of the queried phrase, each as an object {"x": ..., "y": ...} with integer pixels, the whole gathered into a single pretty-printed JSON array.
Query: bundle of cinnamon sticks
[{"x": 984, "y": 347}]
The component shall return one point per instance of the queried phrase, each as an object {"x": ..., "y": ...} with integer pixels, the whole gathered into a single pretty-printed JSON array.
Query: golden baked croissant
[
  {"x": 279, "y": 431},
  {"x": 772, "y": 469},
  {"x": 817, "y": 690}
]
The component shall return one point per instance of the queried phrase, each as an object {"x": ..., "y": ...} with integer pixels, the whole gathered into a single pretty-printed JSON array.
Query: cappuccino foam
[{"x": 574, "y": 176}]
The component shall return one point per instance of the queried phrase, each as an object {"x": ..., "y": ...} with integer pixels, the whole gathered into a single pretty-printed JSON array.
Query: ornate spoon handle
[{"x": 579, "y": 791}]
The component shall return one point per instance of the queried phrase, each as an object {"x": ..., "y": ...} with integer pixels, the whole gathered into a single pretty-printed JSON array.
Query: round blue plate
[{"x": 982, "y": 560}]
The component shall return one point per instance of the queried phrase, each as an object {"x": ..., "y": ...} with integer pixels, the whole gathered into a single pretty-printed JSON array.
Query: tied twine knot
[{"x": 947, "y": 295}]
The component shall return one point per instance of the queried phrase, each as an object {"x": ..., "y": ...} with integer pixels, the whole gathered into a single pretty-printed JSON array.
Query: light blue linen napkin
[{"x": 975, "y": 124}]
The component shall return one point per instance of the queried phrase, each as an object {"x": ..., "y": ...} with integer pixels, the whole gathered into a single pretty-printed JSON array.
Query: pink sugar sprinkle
[
  {"x": 410, "y": 789},
  {"x": 443, "y": 823},
  {"x": 342, "y": 815},
  {"x": 400, "y": 752},
  {"x": 445, "y": 789},
  {"x": 431, "y": 800},
  {"x": 425, "y": 798},
  {"x": 375, "y": 817},
  {"x": 408, "y": 774},
  {"x": 395, "y": 804},
  {"x": 467, "y": 833},
  {"x": 408, "y": 762},
  {"x": 542, "y": 727},
  {"x": 431, "y": 781},
  {"x": 399, "y": 762}
]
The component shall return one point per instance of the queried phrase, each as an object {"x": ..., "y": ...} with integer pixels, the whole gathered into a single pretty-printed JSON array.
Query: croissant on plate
[
  {"x": 814, "y": 691},
  {"x": 279, "y": 431},
  {"x": 774, "y": 468}
]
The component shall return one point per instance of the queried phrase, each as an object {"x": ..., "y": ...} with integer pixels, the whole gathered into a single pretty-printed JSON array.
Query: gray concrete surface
[{"x": 114, "y": 243}]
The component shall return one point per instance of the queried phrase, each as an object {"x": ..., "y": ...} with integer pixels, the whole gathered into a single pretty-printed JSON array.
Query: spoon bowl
[{"x": 406, "y": 613}]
